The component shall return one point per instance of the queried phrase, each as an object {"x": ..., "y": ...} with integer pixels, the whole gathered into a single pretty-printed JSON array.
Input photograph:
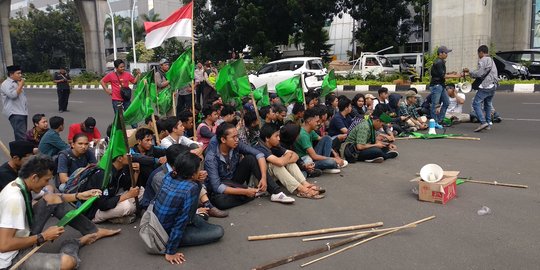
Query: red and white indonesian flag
[{"x": 177, "y": 25}]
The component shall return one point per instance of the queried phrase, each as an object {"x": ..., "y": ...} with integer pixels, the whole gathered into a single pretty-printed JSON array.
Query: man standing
[
  {"x": 199, "y": 82},
  {"x": 487, "y": 74},
  {"x": 62, "y": 81},
  {"x": 15, "y": 102},
  {"x": 437, "y": 86},
  {"x": 119, "y": 79}
]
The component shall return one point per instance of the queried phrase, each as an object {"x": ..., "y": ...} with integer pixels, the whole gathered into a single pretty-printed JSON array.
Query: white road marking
[
  {"x": 521, "y": 119},
  {"x": 531, "y": 103}
]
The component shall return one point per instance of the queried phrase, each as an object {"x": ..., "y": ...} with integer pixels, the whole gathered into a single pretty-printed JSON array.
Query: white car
[{"x": 277, "y": 71}]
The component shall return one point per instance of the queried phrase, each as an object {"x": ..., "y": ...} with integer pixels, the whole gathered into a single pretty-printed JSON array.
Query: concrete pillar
[
  {"x": 511, "y": 24},
  {"x": 461, "y": 25},
  {"x": 6, "y": 55},
  {"x": 92, "y": 16}
]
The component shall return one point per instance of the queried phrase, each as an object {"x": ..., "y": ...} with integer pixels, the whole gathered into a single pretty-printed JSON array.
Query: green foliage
[
  {"x": 429, "y": 59},
  {"x": 86, "y": 78},
  {"x": 47, "y": 39},
  {"x": 144, "y": 55},
  {"x": 44, "y": 76},
  {"x": 170, "y": 49},
  {"x": 257, "y": 64},
  {"x": 381, "y": 23}
]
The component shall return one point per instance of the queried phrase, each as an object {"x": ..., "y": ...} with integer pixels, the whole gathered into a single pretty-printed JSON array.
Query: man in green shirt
[
  {"x": 362, "y": 143},
  {"x": 322, "y": 153}
]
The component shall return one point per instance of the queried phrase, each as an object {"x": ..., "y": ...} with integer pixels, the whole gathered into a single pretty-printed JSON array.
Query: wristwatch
[{"x": 40, "y": 239}]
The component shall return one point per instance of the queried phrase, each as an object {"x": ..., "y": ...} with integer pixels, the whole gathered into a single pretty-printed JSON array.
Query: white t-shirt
[
  {"x": 453, "y": 106},
  {"x": 12, "y": 216},
  {"x": 183, "y": 140}
]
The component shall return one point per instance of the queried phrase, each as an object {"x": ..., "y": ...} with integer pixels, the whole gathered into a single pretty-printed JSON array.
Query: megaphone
[
  {"x": 431, "y": 173},
  {"x": 464, "y": 87}
]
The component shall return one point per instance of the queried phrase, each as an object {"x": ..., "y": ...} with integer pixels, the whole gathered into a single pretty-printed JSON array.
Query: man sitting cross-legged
[
  {"x": 282, "y": 164},
  {"x": 21, "y": 224},
  {"x": 363, "y": 145},
  {"x": 322, "y": 153},
  {"x": 175, "y": 207},
  {"x": 229, "y": 174}
]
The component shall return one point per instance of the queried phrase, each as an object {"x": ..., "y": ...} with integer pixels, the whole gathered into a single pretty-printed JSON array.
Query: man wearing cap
[
  {"x": 14, "y": 102},
  {"x": 408, "y": 111},
  {"x": 62, "y": 80},
  {"x": 19, "y": 151},
  {"x": 437, "y": 86},
  {"x": 362, "y": 143},
  {"x": 87, "y": 127}
]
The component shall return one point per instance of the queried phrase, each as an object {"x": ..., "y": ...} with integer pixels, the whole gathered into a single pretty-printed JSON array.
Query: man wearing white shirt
[
  {"x": 455, "y": 107},
  {"x": 176, "y": 134}
]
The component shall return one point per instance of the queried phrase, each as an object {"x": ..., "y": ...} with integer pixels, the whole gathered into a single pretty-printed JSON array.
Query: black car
[
  {"x": 529, "y": 58},
  {"x": 508, "y": 70}
]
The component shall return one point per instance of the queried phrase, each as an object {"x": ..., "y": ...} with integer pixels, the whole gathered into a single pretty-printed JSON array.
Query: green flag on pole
[
  {"x": 290, "y": 90},
  {"x": 164, "y": 100},
  {"x": 232, "y": 81},
  {"x": 261, "y": 96},
  {"x": 181, "y": 72},
  {"x": 329, "y": 84},
  {"x": 72, "y": 214},
  {"x": 141, "y": 106},
  {"x": 116, "y": 147}
]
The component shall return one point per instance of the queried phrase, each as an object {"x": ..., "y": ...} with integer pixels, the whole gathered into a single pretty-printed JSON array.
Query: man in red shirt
[
  {"x": 118, "y": 78},
  {"x": 87, "y": 127}
]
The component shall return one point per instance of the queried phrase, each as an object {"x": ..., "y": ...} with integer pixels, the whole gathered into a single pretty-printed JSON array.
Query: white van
[
  {"x": 281, "y": 70},
  {"x": 413, "y": 59}
]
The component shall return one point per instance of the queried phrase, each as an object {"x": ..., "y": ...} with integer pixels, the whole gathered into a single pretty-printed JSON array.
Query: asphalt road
[{"x": 364, "y": 193}]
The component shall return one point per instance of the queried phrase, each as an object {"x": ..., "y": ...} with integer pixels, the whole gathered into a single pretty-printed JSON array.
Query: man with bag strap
[
  {"x": 486, "y": 78},
  {"x": 119, "y": 79}
]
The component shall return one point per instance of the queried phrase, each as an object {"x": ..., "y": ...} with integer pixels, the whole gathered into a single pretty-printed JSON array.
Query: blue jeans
[
  {"x": 124, "y": 103},
  {"x": 199, "y": 232},
  {"x": 485, "y": 96},
  {"x": 19, "y": 124},
  {"x": 438, "y": 95}
]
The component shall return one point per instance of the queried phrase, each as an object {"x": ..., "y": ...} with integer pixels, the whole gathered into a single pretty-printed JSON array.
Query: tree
[
  {"x": 381, "y": 23},
  {"x": 48, "y": 39},
  {"x": 122, "y": 29}
]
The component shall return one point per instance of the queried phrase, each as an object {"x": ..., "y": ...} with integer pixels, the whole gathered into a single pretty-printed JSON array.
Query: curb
[{"x": 515, "y": 88}]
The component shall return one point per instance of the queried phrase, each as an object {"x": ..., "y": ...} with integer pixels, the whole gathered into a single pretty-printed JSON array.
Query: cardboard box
[{"x": 440, "y": 192}]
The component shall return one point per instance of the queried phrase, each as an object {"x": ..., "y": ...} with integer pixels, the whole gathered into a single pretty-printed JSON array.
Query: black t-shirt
[
  {"x": 7, "y": 174},
  {"x": 62, "y": 85},
  {"x": 276, "y": 151},
  {"x": 438, "y": 71}
]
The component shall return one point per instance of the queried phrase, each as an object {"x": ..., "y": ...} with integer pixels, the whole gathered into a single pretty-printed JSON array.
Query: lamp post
[
  {"x": 133, "y": 32},
  {"x": 113, "y": 30}
]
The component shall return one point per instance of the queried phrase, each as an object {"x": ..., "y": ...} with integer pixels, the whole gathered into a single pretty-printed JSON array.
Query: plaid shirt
[
  {"x": 172, "y": 205},
  {"x": 406, "y": 110}
]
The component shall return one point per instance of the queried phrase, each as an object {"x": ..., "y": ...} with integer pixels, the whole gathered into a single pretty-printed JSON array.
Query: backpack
[
  {"x": 151, "y": 231},
  {"x": 79, "y": 178}
]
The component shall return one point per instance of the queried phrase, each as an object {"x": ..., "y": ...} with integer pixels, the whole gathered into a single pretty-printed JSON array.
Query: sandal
[
  {"x": 309, "y": 195},
  {"x": 317, "y": 188}
]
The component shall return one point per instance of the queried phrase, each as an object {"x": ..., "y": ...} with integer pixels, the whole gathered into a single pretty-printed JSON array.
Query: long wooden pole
[
  {"x": 5, "y": 149},
  {"x": 256, "y": 110},
  {"x": 367, "y": 240},
  {"x": 193, "y": 64},
  {"x": 130, "y": 161},
  {"x": 452, "y": 138},
  {"x": 302, "y": 79},
  {"x": 154, "y": 127},
  {"x": 28, "y": 255},
  {"x": 495, "y": 183},
  {"x": 352, "y": 234},
  {"x": 314, "y": 232}
]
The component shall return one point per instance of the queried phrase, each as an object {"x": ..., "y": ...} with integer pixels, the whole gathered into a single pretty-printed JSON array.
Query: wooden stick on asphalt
[
  {"x": 5, "y": 149},
  {"x": 367, "y": 240},
  {"x": 495, "y": 183},
  {"x": 353, "y": 233},
  {"x": 453, "y": 138},
  {"x": 314, "y": 232},
  {"x": 23, "y": 259}
]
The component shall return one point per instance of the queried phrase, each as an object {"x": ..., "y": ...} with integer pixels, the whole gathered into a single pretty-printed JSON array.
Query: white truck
[{"x": 368, "y": 63}]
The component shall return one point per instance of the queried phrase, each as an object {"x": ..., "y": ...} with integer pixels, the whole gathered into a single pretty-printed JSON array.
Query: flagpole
[
  {"x": 193, "y": 64},
  {"x": 120, "y": 111},
  {"x": 303, "y": 93},
  {"x": 154, "y": 125},
  {"x": 256, "y": 109}
]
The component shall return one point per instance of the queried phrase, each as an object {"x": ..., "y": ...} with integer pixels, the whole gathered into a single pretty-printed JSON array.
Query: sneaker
[
  {"x": 438, "y": 126},
  {"x": 314, "y": 173},
  {"x": 215, "y": 212},
  {"x": 392, "y": 154},
  {"x": 375, "y": 160},
  {"x": 345, "y": 163},
  {"x": 489, "y": 127},
  {"x": 261, "y": 194},
  {"x": 332, "y": 171},
  {"x": 124, "y": 220},
  {"x": 281, "y": 198},
  {"x": 481, "y": 127}
]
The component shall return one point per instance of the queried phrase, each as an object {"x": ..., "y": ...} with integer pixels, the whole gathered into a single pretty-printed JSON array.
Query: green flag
[
  {"x": 290, "y": 90},
  {"x": 141, "y": 106},
  {"x": 164, "y": 100},
  {"x": 181, "y": 72},
  {"x": 329, "y": 84},
  {"x": 116, "y": 147},
  {"x": 72, "y": 214},
  {"x": 261, "y": 96},
  {"x": 232, "y": 81}
]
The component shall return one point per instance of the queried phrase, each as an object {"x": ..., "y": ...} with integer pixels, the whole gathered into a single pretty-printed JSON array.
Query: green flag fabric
[
  {"x": 181, "y": 72},
  {"x": 72, "y": 214},
  {"x": 141, "y": 106},
  {"x": 232, "y": 81},
  {"x": 116, "y": 147},
  {"x": 329, "y": 84},
  {"x": 433, "y": 136},
  {"x": 290, "y": 90},
  {"x": 164, "y": 100},
  {"x": 261, "y": 96}
]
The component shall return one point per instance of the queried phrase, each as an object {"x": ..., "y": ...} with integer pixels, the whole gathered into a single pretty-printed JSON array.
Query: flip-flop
[
  {"x": 317, "y": 188},
  {"x": 307, "y": 196}
]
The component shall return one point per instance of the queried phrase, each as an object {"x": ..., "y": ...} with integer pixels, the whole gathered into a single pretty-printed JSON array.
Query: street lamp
[
  {"x": 113, "y": 30},
  {"x": 133, "y": 32}
]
